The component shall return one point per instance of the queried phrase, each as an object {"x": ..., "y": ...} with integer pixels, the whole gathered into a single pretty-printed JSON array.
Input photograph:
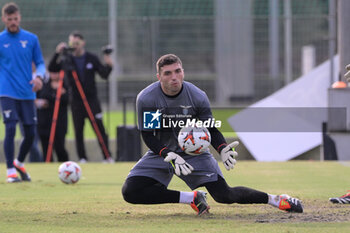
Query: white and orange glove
[
  {"x": 180, "y": 165},
  {"x": 228, "y": 155}
]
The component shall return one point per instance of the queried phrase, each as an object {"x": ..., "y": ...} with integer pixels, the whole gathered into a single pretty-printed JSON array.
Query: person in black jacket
[
  {"x": 86, "y": 65},
  {"x": 45, "y": 104}
]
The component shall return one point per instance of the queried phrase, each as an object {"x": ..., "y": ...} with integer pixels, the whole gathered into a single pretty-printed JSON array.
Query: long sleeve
[
  {"x": 154, "y": 144},
  {"x": 217, "y": 139},
  {"x": 103, "y": 70},
  {"x": 54, "y": 64},
  {"x": 38, "y": 59}
]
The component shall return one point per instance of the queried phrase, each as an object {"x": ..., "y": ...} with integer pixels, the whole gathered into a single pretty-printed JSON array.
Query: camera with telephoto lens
[
  {"x": 67, "y": 50},
  {"x": 107, "y": 49},
  {"x": 66, "y": 58}
]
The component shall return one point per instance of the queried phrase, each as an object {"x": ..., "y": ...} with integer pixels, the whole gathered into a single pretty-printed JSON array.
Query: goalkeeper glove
[
  {"x": 180, "y": 165},
  {"x": 347, "y": 74},
  {"x": 228, "y": 155}
]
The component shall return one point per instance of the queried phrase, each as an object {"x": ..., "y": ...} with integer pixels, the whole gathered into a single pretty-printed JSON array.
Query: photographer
[{"x": 75, "y": 57}]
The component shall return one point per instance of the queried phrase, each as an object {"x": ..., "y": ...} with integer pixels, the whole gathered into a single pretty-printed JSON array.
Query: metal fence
[{"x": 147, "y": 29}]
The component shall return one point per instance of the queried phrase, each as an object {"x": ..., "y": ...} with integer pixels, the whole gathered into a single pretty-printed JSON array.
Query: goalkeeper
[{"x": 148, "y": 180}]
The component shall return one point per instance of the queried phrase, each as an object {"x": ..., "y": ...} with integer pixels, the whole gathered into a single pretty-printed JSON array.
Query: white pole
[
  {"x": 288, "y": 41},
  {"x": 308, "y": 58},
  {"x": 274, "y": 43},
  {"x": 343, "y": 36},
  {"x": 332, "y": 38},
  {"x": 112, "y": 26}
]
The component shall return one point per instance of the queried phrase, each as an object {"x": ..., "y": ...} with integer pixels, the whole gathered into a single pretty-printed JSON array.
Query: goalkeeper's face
[
  {"x": 171, "y": 78},
  {"x": 12, "y": 21}
]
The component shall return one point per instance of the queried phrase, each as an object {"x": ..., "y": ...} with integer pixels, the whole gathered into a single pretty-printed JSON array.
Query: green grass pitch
[{"x": 95, "y": 203}]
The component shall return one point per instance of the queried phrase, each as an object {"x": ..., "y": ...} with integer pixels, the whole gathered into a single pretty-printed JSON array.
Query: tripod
[{"x": 68, "y": 67}]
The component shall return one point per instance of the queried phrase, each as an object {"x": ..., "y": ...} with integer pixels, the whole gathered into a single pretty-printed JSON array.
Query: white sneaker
[
  {"x": 109, "y": 160},
  {"x": 13, "y": 179},
  {"x": 82, "y": 161}
]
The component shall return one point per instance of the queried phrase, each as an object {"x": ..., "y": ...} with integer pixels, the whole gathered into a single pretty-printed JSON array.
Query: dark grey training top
[{"x": 190, "y": 103}]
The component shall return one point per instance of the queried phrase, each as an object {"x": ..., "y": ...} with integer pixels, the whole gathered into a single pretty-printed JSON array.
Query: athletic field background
[{"x": 95, "y": 203}]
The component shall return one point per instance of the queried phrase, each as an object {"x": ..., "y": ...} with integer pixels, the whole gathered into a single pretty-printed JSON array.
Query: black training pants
[
  {"x": 79, "y": 114},
  {"x": 145, "y": 190}
]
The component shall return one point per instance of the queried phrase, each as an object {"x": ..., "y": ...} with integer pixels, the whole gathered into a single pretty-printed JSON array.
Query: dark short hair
[
  {"x": 9, "y": 8},
  {"x": 77, "y": 34},
  {"x": 167, "y": 59}
]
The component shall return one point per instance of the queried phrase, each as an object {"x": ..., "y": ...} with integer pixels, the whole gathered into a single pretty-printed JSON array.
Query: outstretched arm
[
  {"x": 104, "y": 69},
  {"x": 154, "y": 144},
  {"x": 227, "y": 152},
  {"x": 181, "y": 167}
]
